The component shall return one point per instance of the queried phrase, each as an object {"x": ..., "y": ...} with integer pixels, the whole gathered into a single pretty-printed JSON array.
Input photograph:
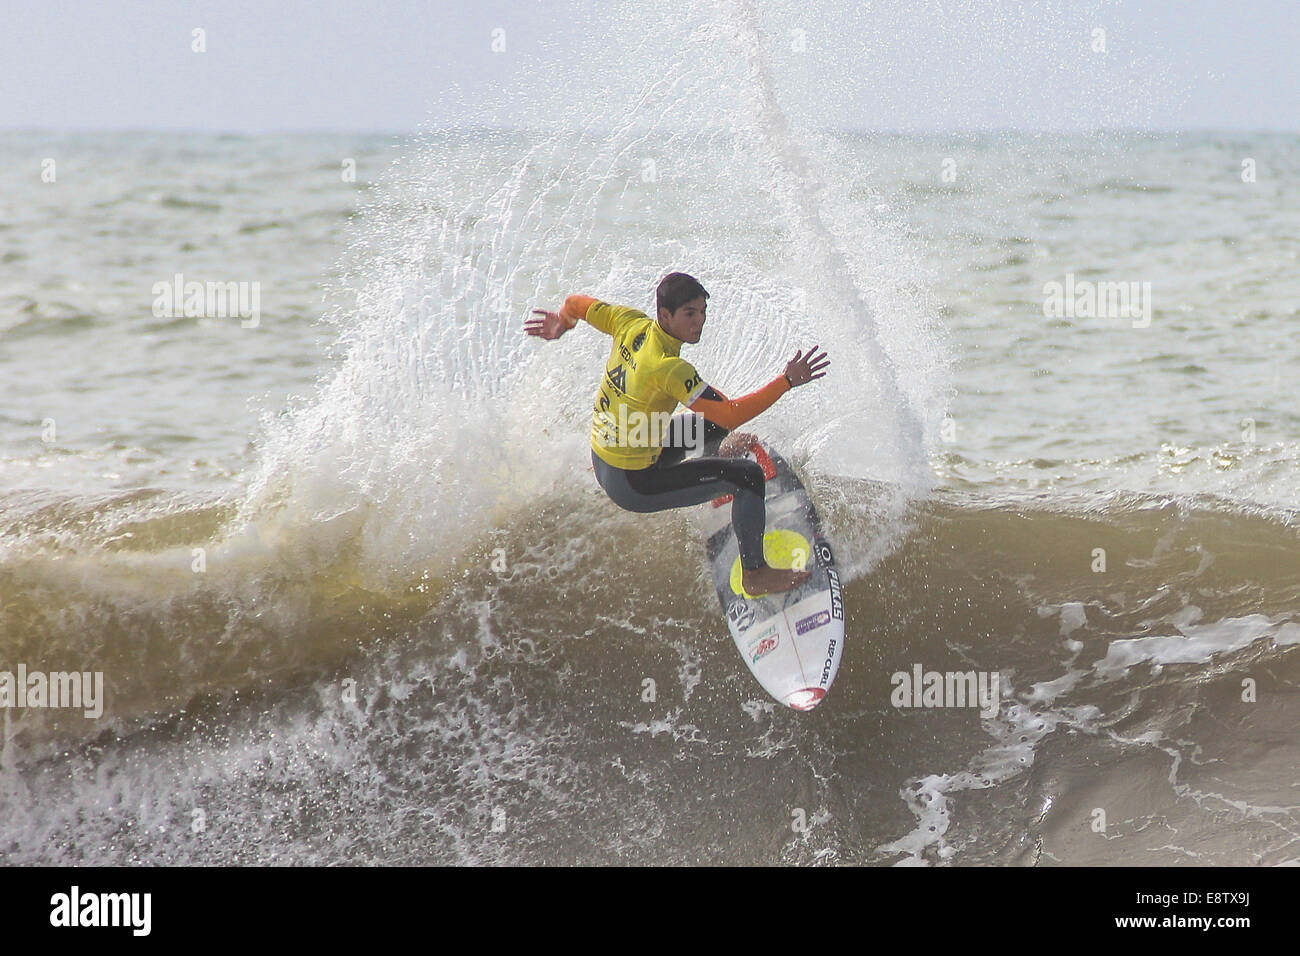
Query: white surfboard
[{"x": 791, "y": 641}]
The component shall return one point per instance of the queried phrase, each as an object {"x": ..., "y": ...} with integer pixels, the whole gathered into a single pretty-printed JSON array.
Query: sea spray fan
[{"x": 442, "y": 421}]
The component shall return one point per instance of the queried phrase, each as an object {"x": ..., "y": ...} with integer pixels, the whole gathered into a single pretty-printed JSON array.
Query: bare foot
[{"x": 768, "y": 580}]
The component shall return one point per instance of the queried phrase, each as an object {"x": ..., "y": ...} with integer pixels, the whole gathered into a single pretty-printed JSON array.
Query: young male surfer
[{"x": 639, "y": 452}]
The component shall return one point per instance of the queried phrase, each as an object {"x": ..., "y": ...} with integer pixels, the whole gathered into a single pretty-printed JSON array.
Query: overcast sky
[{"x": 392, "y": 65}]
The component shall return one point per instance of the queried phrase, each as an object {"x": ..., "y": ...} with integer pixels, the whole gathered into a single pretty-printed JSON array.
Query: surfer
[{"x": 638, "y": 448}]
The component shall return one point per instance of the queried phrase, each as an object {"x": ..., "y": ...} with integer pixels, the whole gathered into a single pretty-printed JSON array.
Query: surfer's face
[{"x": 687, "y": 322}]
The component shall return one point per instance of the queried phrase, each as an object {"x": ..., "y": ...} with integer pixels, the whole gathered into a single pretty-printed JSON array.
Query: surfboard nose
[{"x": 805, "y": 699}]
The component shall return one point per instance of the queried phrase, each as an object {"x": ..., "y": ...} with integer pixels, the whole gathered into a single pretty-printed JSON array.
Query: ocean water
[{"x": 356, "y": 597}]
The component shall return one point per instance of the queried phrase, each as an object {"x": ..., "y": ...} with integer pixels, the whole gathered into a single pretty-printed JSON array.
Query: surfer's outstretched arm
[
  {"x": 733, "y": 412},
  {"x": 554, "y": 324}
]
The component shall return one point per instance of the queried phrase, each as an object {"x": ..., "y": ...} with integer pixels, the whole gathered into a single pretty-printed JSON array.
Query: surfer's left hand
[{"x": 803, "y": 369}]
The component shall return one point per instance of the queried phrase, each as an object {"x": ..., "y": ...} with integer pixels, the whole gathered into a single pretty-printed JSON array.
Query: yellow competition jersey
[{"x": 644, "y": 381}]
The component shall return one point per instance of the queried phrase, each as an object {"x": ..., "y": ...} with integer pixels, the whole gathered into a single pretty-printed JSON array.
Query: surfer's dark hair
[{"x": 675, "y": 290}]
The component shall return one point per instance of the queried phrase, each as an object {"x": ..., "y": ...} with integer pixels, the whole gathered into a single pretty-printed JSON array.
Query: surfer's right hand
[
  {"x": 800, "y": 369},
  {"x": 552, "y": 326}
]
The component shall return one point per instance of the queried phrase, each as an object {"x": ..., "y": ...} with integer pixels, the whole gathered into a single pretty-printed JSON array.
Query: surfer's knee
[
  {"x": 630, "y": 500},
  {"x": 748, "y": 475}
]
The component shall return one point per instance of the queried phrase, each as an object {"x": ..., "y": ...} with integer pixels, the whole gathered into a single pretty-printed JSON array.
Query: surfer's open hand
[
  {"x": 550, "y": 326},
  {"x": 802, "y": 369}
]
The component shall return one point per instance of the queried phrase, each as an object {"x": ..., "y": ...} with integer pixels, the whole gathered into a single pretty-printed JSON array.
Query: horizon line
[{"x": 543, "y": 130}]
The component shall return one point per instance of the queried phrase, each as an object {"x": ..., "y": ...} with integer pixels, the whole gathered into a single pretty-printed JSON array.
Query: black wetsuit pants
[{"x": 675, "y": 482}]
